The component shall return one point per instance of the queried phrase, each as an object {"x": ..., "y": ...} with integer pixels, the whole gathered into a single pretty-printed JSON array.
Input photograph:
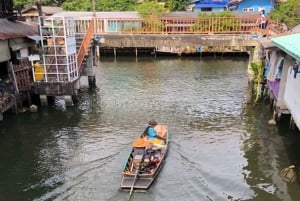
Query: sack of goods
[{"x": 137, "y": 160}]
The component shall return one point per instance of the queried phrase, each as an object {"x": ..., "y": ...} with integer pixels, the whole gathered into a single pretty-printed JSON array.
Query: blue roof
[
  {"x": 211, "y": 3},
  {"x": 289, "y": 44},
  {"x": 210, "y": 6}
]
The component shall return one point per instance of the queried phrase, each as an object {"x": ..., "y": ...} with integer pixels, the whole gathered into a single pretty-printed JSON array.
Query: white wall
[{"x": 292, "y": 93}]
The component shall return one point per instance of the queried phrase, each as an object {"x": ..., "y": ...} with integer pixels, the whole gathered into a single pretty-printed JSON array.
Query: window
[
  {"x": 206, "y": 9},
  {"x": 248, "y": 9}
]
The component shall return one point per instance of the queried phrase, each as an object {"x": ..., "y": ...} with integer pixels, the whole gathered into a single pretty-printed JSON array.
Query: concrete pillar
[
  {"x": 68, "y": 100},
  {"x": 76, "y": 85},
  {"x": 29, "y": 98},
  {"x": 115, "y": 53},
  {"x": 292, "y": 124},
  {"x": 92, "y": 81},
  {"x": 98, "y": 52},
  {"x": 256, "y": 55},
  {"x": 43, "y": 100},
  {"x": 94, "y": 54}
]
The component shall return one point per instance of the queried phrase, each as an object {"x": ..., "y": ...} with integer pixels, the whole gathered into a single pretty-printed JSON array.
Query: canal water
[{"x": 221, "y": 146}]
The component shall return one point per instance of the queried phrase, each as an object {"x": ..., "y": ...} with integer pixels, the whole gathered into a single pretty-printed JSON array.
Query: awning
[
  {"x": 35, "y": 37},
  {"x": 20, "y": 43},
  {"x": 289, "y": 44}
]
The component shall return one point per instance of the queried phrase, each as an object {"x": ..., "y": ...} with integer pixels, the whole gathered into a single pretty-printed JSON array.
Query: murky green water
[{"x": 221, "y": 147}]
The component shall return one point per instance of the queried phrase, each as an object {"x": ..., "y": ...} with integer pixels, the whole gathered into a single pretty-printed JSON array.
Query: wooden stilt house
[{"x": 16, "y": 44}]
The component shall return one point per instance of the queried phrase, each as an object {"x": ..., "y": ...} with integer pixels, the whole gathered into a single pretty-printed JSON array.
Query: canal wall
[
  {"x": 176, "y": 40},
  {"x": 184, "y": 44}
]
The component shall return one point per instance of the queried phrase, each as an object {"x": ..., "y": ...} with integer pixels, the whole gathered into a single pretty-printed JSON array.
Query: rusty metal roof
[
  {"x": 46, "y": 10},
  {"x": 16, "y": 29}
]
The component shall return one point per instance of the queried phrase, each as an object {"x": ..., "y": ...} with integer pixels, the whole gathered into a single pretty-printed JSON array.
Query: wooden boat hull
[{"x": 142, "y": 181}]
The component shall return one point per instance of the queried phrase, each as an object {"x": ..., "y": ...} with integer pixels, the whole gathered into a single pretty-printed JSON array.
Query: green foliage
[
  {"x": 102, "y": 5},
  {"x": 151, "y": 9},
  {"x": 216, "y": 14},
  {"x": 23, "y": 2},
  {"x": 77, "y": 5},
  {"x": 287, "y": 12},
  {"x": 33, "y": 2},
  {"x": 115, "y": 5},
  {"x": 258, "y": 69},
  {"x": 175, "y": 5},
  {"x": 216, "y": 22},
  {"x": 152, "y": 24}
]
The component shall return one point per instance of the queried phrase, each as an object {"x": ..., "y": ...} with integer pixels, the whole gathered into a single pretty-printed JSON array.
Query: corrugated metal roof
[
  {"x": 108, "y": 15},
  {"x": 47, "y": 10},
  {"x": 184, "y": 14},
  {"x": 16, "y": 29},
  {"x": 289, "y": 44}
]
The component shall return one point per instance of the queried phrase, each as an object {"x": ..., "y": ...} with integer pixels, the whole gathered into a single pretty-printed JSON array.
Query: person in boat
[{"x": 153, "y": 135}]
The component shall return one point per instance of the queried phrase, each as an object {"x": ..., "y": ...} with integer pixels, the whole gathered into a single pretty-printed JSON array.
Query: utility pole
[
  {"x": 39, "y": 7},
  {"x": 94, "y": 8}
]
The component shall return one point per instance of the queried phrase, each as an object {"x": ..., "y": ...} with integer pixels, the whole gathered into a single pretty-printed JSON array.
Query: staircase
[
  {"x": 85, "y": 46},
  {"x": 62, "y": 59}
]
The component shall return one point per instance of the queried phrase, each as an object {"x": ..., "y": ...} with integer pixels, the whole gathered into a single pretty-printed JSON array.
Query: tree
[
  {"x": 175, "y": 5},
  {"x": 151, "y": 9},
  {"x": 115, "y": 5},
  {"x": 23, "y": 3},
  {"x": 100, "y": 5},
  {"x": 287, "y": 12},
  {"x": 103, "y": 5},
  {"x": 77, "y": 5}
]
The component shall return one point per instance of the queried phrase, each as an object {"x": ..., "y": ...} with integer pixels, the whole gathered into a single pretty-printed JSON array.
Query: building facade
[
  {"x": 282, "y": 75},
  {"x": 251, "y": 5}
]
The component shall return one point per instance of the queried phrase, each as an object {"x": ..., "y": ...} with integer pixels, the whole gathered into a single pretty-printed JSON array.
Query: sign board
[{"x": 34, "y": 57}]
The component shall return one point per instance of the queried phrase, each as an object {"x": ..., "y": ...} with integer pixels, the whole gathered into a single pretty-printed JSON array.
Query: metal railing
[
  {"x": 171, "y": 25},
  {"x": 83, "y": 50}
]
